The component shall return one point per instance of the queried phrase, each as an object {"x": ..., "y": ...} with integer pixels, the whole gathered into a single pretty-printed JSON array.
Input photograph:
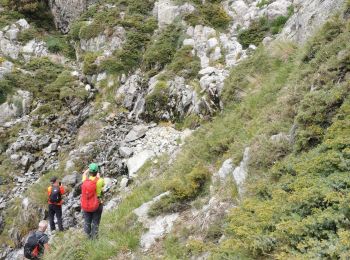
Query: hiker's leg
[
  {"x": 96, "y": 219},
  {"x": 87, "y": 222},
  {"x": 59, "y": 217},
  {"x": 52, "y": 217}
]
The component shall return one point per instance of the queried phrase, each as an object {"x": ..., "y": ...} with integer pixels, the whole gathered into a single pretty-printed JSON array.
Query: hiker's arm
[{"x": 85, "y": 173}]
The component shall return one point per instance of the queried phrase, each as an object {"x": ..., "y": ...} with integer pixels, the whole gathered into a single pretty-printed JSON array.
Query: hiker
[
  {"x": 55, "y": 192},
  {"x": 37, "y": 242},
  {"x": 91, "y": 199}
]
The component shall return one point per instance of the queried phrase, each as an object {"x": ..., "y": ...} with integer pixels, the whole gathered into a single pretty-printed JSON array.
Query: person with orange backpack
[
  {"x": 91, "y": 200},
  {"x": 37, "y": 242},
  {"x": 55, "y": 192}
]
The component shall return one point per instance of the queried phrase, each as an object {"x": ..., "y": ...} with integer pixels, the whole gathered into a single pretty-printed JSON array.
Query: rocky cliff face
[
  {"x": 137, "y": 76},
  {"x": 65, "y": 12},
  {"x": 308, "y": 17}
]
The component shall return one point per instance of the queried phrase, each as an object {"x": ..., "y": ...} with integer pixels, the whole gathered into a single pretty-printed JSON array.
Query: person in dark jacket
[{"x": 55, "y": 192}]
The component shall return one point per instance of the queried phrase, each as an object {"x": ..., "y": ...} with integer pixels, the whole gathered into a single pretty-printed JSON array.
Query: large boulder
[{"x": 308, "y": 17}]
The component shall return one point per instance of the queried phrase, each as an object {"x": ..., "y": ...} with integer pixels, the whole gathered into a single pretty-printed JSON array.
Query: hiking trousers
[
  {"x": 55, "y": 210},
  {"x": 92, "y": 221}
]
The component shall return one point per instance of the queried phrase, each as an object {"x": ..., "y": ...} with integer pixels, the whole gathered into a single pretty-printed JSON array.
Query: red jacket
[{"x": 49, "y": 193}]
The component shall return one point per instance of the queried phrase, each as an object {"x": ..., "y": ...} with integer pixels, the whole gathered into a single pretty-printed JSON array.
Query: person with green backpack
[{"x": 91, "y": 200}]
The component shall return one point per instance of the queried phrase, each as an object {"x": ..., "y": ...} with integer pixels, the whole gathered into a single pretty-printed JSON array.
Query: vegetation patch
[
  {"x": 261, "y": 28},
  {"x": 210, "y": 13},
  {"x": 156, "y": 102}
]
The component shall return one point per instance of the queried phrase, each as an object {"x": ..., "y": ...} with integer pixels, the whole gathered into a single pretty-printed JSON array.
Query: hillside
[{"x": 221, "y": 127}]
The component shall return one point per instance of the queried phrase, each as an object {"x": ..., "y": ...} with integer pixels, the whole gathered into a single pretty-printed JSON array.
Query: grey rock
[
  {"x": 70, "y": 180},
  {"x": 112, "y": 204},
  {"x": 39, "y": 164},
  {"x": 124, "y": 183},
  {"x": 5, "y": 67},
  {"x": 225, "y": 170},
  {"x": 136, "y": 133},
  {"x": 240, "y": 172},
  {"x": 66, "y": 11},
  {"x": 51, "y": 148},
  {"x": 137, "y": 161},
  {"x": 25, "y": 160},
  {"x": 308, "y": 17},
  {"x": 125, "y": 152}
]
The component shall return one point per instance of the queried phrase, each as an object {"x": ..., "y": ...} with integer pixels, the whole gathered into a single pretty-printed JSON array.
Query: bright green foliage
[
  {"x": 5, "y": 90},
  {"x": 59, "y": 44},
  {"x": 300, "y": 208},
  {"x": 261, "y": 28},
  {"x": 89, "y": 65},
  {"x": 255, "y": 33},
  {"x": 25, "y": 36},
  {"x": 185, "y": 64},
  {"x": 262, "y": 3},
  {"x": 157, "y": 101},
  {"x": 182, "y": 190},
  {"x": 36, "y": 10},
  {"x": 210, "y": 13},
  {"x": 162, "y": 49},
  {"x": 44, "y": 72},
  {"x": 137, "y": 22}
]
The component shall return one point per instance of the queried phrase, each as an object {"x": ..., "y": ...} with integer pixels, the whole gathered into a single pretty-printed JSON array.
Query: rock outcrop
[
  {"x": 308, "y": 17},
  {"x": 65, "y": 12}
]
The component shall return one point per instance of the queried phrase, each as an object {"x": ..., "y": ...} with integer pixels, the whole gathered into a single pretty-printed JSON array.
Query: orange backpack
[{"x": 89, "y": 200}]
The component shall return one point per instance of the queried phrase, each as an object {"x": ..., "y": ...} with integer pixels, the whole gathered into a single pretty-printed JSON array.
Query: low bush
[
  {"x": 185, "y": 64},
  {"x": 89, "y": 65},
  {"x": 211, "y": 14},
  {"x": 162, "y": 49},
  {"x": 26, "y": 35},
  {"x": 261, "y": 28},
  {"x": 182, "y": 190}
]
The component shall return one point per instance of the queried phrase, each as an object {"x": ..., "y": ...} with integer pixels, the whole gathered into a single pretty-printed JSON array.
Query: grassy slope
[{"x": 271, "y": 91}]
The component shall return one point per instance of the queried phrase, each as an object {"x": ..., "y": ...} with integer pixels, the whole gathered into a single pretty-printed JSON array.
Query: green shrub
[
  {"x": 182, "y": 190},
  {"x": 5, "y": 90},
  {"x": 278, "y": 23},
  {"x": 216, "y": 16},
  {"x": 26, "y": 35},
  {"x": 255, "y": 33},
  {"x": 54, "y": 44},
  {"x": 185, "y": 64},
  {"x": 89, "y": 65},
  {"x": 262, "y": 3},
  {"x": 261, "y": 28},
  {"x": 162, "y": 49},
  {"x": 88, "y": 31},
  {"x": 210, "y": 13}
]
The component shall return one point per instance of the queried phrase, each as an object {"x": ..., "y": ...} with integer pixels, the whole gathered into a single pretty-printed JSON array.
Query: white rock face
[
  {"x": 308, "y": 17},
  {"x": 17, "y": 107},
  {"x": 130, "y": 90},
  {"x": 240, "y": 172},
  {"x": 166, "y": 11},
  {"x": 225, "y": 170},
  {"x": 10, "y": 47},
  {"x": 34, "y": 48},
  {"x": 157, "y": 227},
  {"x": 138, "y": 160},
  {"x": 5, "y": 67}
]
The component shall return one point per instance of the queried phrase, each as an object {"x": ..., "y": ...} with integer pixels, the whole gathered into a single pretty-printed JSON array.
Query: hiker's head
[
  {"x": 42, "y": 225},
  {"x": 93, "y": 169},
  {"x": 53, "y": 180}
]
